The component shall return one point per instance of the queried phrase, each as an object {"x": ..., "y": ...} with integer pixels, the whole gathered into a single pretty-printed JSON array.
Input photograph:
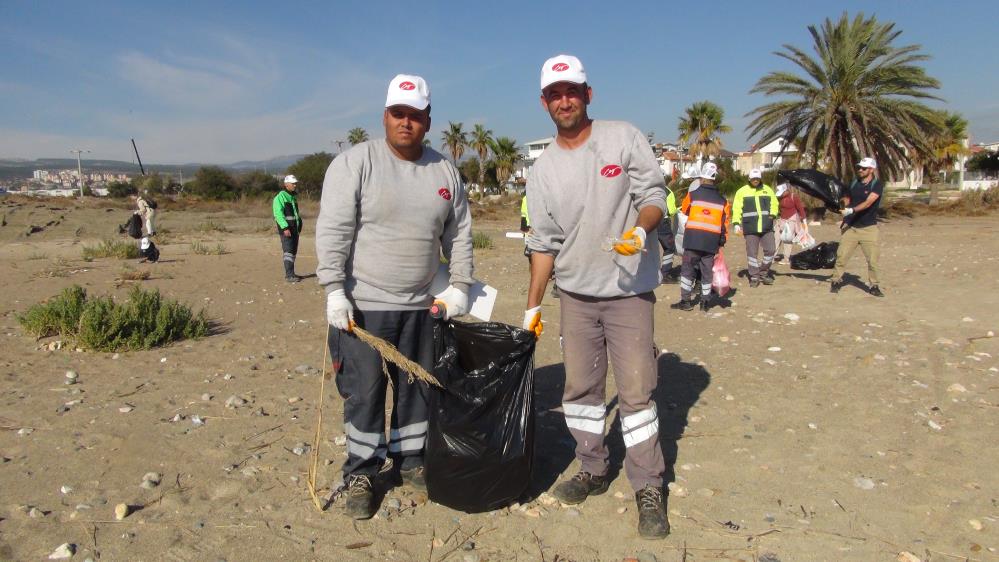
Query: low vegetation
[
  {"x": 120, "y": 249},
  {"x": 145, "y": 320},
  {"x": 129, "y": 274},
  {"x": 212, "y": 225},
  {"x": 971, "y": 203},
  {"x": 481, "y": 241},
  {"x": 206, "y": 250}
]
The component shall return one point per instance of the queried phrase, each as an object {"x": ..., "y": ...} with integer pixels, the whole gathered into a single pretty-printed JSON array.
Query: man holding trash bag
[
  {"x": 707, "y": 214},
  {"x": 389, "y": 208},
  {"x": 594, "y": 196},
  {"x": 753, "y": 213},
  {"x": 860, "y": 225}
]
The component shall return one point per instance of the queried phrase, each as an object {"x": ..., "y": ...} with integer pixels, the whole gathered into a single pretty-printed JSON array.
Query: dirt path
[{"x": 870, "y": 431}]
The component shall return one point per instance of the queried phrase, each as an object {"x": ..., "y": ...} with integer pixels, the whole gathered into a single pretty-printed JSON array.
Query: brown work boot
[
  {"x": 415, "y": 477},
  {"x": 360, "y": 497},
  {"x": 652, "y": 521},
  {"x": 579, "y": 487}
]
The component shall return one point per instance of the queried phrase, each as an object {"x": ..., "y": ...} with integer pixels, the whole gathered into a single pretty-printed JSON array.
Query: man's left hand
[
  {"x": 455, "y": 302},
  {"x": 847, "y": 211},
  {"x": 632, "y": 242}
]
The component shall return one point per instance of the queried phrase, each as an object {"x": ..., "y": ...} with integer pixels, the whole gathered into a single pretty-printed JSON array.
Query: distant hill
[{"x": 20, "y": 168}]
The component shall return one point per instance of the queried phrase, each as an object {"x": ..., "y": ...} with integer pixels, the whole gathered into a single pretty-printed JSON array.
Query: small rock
[
  {"x": 197, "y": 421},
  {"x": 304, "y": 369},
  {"x": 468, "y": 545},
  {"x": 770, "y": 362},
  {"x": 206, "y": 397},
  {"x": 121, "y": 511},
  {"x": 65, "y": 489},
  {"x": 646, "y": 556},
  {"x": 619, "y": 495},
  {"x": 533, "y": 512},
  {"x": 547, "y": 499},
  {"x": 36, "y": 513},
  {"x": 975, "y": 524},
  {"x": 294, "y": 399},
  {"x": 394, "y": 503},
  {"x": 769, "y": 517},
  {"x": 300, "y": 449},
  {"x": 234, "y": 402},
  {"x": 471, "y": 557},
  {"x": 25, "y": 431},
  {"x": 812, "y": 426},
  {"x": 621, "y": 510},
  {"x": 907, "y": 557},
  {"x": 676, "y": 490},
  {"x": 956, "y": 387},
  {"x": 967, "y": 319},
  {"x": 773, "y": 348},
  {"x": 863, "y": 483},
  {"x": 792, "y": 317},
  {"x": 340, "y": 440},
  {"x": 65, "y": 550},
  {"x": 177, "y": 418},
  {"x": 250, "y": 471},
  {"x": 729, "y": 397},
  {"x": 934, "y": 425},
  {"x": 125, "y": 409},
  {"x": 227, "y": 377}
]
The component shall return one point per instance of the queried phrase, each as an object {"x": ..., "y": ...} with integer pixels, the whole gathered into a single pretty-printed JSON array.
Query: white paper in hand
[{"x": 481, "y": 297}]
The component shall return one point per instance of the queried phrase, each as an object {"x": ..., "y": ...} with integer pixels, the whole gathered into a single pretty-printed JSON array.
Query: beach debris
[
  {"x": 65, "y": 489},
  {"x": 126, "y": 409},
  {"x": 621, "y": 510},
  {"x": 976, "y": 524},
  {"x": 25, "y": 431},
  {"x": 197, "y": 421},
  {"x": 151, "y": 480},
  {"x": 340, "y": 440},
  {"x": 71, "y": 377},
  {"x": 956, "y": 387},
  {"x": 121, "y": 511},
  {"x": 206, "y": 397},
  {"x": 300, "y": 449},
  {"x": 863, "y": 483},
  {"x": 234, "y": 402},
  {"x": 934, "y": 425},
  {"x": 64, "y": 550},
  {"x": 792, "y": 317},
  {"x": 907, "y": 557}
]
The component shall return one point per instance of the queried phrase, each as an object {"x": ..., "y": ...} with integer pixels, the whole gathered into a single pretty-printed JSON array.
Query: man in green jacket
[
  {"x": 753, "y": 214},
  {"x": 289, "y": 225}
]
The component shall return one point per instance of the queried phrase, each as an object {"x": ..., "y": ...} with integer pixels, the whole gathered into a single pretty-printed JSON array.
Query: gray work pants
[
  {"x": 362, "y": 385},
  {"x": 694, "y": 261},
  {"x": 592, "y": 329},
  {"x": 760, "y": 267},
  {"x": 289, "y": 249}
]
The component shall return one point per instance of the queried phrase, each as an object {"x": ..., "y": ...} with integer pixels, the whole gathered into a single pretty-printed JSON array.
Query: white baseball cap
[
  {"x": 290, "y": 179},
  {"x": 781, "y": 189},
  {"x": 144, "y": 244},
  {"x": 867, "y": 162},
  {"x": 755, "y": 174},
  {"x": 562, "y": 68},
  {"x": 408, "y": 89},
  {"x": 709, "y": 170}
]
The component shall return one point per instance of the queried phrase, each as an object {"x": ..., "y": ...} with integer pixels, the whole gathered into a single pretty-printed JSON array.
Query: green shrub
[
  {"x": 212, "y": 226},
  {"x": 481, "y": 240},
  {"x": 145, "y": 320},
  {"x": 121, "y": 249},
  {"x": 206, "y": 250}
]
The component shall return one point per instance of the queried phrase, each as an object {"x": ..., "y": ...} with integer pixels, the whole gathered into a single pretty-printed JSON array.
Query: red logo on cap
[
  {"x": 610, "y": 171},
  {"x": 407, "y": 86},
  {"x": 444, "y": 193},
  {"x": 560, "y": 67}
]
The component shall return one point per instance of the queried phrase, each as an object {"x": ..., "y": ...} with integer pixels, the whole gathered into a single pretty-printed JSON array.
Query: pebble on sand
[
  {"x": 907, "y": 557},
  {"x": 121, "y": 511},
  {"x": 621, "y": 510},
  {"x": 125, "y": 409},
  {"x": 976, "y": 524},
  {"x": 863, "y": 483},
  {"x": 65, "y": 550},
  {"x": 234, "y": 402},
  {"x": 956, "y": 387}
]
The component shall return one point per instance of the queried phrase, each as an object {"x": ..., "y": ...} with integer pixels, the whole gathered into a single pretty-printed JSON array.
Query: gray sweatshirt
[
  {"x": 384, "y": 222},
  {"x": 579, "y": 198}
]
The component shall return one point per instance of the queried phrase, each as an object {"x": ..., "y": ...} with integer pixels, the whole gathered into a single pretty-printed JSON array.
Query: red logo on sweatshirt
[
  {"x": 705, "y": 212},
  {"x": 444, "y": 193},
  {"x": 407, "y": 86},
  {"x": 610, "y": 171},
  {"x": 560, "y": 67}
]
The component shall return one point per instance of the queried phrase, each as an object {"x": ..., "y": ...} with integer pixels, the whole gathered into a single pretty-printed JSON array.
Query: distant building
[
  {"x": 41, "y": 175},
  {"x": 765, "y": 157},
  {"x": 989, "y": 146}
]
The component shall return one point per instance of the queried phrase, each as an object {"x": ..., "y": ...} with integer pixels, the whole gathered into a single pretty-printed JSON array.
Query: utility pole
[{"x": 79, "y": 166}]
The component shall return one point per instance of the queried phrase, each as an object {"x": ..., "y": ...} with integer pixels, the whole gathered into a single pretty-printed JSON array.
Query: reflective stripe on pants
[{"x": 759, "y": 268}]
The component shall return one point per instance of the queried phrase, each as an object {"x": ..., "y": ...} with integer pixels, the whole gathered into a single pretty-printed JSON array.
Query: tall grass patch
[
  {"x": 145, "y": 320},
  {"x": 481, "y": 241},
  {"x": 207, "y": 250},
  {"x": 120, "y": 249}
]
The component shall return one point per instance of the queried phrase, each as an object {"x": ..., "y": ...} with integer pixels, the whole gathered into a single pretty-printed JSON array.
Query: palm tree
[
  {"x": 505, "y": 156},
  {"x": 454, "y": 140},
  {"x": 357, "y": 135},
  {"x": 858, "y": 98},
  {"x": 948, "y": 145},
  {"x": 703, "y": 122},
  {"x": 481, "y": 139}
]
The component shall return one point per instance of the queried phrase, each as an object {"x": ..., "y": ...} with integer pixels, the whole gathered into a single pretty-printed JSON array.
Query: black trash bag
[
  {"x": 149, "y": 250},
  {"x": 480, "y": 443},
  {"x": 822, "y": 256},
  {"x": 813, "y": 182},
  {"x": 133, "y": 227}
]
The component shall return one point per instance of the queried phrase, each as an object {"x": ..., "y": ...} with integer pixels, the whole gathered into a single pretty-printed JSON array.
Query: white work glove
[
  {"x": 632, "y": 242},
  {"x": 339, "y": 312},
  {"x": 455, "y": 302},
  {"x": 847, "y": 211},
  {"x": 738, "y": 229},
  {"x": 532, "y": 321}
]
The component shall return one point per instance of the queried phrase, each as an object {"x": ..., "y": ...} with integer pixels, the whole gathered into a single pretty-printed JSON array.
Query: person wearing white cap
[
  {"x": 289, "y": 225},
  {"x": 704, "y": 235},
  {"x": 599, "y": 179},
  {"x": 754, "y": 210},
  {"x": 860, "y": 225},
  {"x": 792, "y": 217},
  {"x": 390, "y": 209}
]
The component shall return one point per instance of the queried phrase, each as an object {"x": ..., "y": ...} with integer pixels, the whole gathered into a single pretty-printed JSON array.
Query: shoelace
[
  {"x": 582, "y": 476},
  {"x": 650, "y": 498},
  {"x": 359, "y": 485}
]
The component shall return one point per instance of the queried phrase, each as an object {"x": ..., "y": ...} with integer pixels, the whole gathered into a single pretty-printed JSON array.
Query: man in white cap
[
  {"x": 289, "y": 225},
  {"x": 704, "y": 235},
  {"x": 754, "y": 213},
  {"x": 860, "y": 225},
  {"x": 390, "y": 208},
  {"x": 593, "y": 196}
]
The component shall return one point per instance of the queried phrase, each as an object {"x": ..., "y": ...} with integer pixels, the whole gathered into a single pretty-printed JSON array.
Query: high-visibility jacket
[
  {"x": 670, "y": 203},
  {"x": 285, "y": 209},
  {"x": 755, "y": 208},
  {"x": 525, "y": 219},
  {"x": 708, "y": 215}
]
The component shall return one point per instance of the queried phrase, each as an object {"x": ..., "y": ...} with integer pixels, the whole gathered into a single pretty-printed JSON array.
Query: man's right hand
[
  {"x": 339, "y": 312},
  {"x": 532, "y": 321},
  {"x": 738, "y": 229},
  {"x": 287, "y": 232}
]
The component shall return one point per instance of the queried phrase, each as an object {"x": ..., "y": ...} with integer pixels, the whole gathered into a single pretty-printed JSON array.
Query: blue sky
[{"x": 203, "y": 82}]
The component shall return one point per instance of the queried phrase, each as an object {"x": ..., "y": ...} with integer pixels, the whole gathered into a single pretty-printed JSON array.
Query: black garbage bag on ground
[
  {"x": 480, "y": 444},
  {"x": 149, "y": 250},
  {"x": 133, "y": 227},
  {"x": 816, "y": 184},
  {"x": 822, "y": 256}
]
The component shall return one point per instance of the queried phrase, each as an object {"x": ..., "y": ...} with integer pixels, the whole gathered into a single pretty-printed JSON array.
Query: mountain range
[{"x": 22, "y": 168}]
